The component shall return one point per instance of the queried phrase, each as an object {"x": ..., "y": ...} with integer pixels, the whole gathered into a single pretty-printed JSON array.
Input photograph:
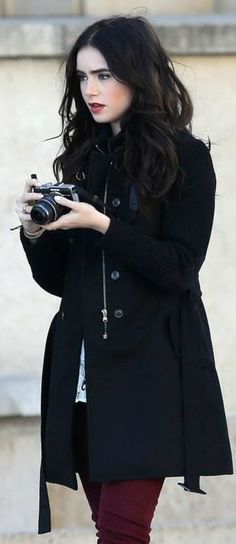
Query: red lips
[{"x": 96, "y": 108}]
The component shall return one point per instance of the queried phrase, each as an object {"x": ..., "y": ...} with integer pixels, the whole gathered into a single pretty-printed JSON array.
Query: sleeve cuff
[
  {"x": 27, "y": 243},
  {"x": 107, "y": 239}
]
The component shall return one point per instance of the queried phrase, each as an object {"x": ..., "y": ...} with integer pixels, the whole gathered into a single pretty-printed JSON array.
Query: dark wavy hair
[{"x": 161, "y": 105}]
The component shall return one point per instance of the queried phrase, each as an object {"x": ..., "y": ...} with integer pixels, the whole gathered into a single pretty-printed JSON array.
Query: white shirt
[{"x": 81, "y": 387}]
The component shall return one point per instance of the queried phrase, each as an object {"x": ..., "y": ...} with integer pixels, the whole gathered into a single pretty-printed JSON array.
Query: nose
[{"x": 91, "y": 88}]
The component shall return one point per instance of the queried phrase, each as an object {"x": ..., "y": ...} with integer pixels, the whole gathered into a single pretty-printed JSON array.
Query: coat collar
[{"x": 109, "y": 143}]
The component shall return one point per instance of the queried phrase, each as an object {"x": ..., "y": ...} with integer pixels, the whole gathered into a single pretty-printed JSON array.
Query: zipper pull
[
  {"x": 105, "y": 320},
  {"x": 104, "y": 315}
]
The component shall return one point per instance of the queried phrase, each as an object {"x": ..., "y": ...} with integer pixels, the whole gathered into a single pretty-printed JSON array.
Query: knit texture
[
  {"x": 45, "y": 269},
  {"x": 173, "y": 261}
]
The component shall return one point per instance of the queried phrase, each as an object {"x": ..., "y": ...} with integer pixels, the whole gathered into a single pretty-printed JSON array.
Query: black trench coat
[{"x": 154, "y": 403}]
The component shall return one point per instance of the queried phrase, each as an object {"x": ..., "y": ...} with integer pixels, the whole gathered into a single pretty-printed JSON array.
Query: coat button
[
  {"x": 115, "y": 275},
  {"x": 62, "y": 315},
  {"x": 116, "y": 202},
  {"x": 118, "y": 313},
  {"x": 71, "y": 240}
]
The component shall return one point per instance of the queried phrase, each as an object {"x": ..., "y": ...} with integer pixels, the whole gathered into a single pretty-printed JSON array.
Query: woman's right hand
[{"x": 25, "y": 203}]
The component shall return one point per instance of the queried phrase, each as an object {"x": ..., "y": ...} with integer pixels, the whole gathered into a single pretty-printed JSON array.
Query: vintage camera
[{"x": 47, "y": 209}]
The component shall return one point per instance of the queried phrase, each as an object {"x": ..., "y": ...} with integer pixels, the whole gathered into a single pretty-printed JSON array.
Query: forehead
[{"x": 90, "y": 59}]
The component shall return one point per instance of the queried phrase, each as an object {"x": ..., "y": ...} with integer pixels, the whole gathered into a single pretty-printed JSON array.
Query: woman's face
[{"x": 98, "y": 86}]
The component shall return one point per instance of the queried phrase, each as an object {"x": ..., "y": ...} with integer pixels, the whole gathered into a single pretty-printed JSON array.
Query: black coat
[{"x": 154, "y": 401}]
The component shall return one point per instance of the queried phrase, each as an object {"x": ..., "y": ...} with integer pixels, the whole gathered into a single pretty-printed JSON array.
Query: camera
[{"x": 47, "y": 209}]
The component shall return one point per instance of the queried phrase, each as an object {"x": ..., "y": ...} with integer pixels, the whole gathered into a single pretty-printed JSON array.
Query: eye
[
  {"x": 80, "y": 77},
  {"x": 102, "y": 76}
]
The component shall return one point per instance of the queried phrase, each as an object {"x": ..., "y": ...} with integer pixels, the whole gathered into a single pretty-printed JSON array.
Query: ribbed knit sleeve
[
  {"x": 47, "y": 259},
  {"x": 174, "y": 259}
]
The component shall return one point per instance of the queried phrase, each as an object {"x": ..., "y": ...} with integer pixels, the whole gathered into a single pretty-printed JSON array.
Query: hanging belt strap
[
  {"x": 44, "y": 520},
  {"x": 191, "y": 379}
]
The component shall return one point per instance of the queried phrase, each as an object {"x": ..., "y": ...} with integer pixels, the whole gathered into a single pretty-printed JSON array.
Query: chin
[{"x": 104, "y": 118}]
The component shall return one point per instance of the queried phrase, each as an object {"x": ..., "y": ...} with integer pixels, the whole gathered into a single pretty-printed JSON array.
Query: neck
[{"x": 115, "y": 127}]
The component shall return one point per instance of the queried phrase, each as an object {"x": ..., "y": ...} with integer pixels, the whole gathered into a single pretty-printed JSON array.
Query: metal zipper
[
  {"x": 99, "y": 149},
  {"x": 104, "y": 310}
]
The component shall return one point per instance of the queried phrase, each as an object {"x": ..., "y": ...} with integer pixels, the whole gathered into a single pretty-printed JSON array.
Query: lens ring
[{"x": 44, "y": 212}]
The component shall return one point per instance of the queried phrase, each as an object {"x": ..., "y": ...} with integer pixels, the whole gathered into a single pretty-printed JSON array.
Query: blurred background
[{"x": 200, "y": 37}]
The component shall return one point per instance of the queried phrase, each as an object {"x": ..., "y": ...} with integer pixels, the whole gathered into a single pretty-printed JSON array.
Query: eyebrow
[{"x": 94, "y": 71}]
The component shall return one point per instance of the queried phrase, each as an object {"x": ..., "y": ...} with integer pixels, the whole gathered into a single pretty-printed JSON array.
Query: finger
[
  {"x": 23, "y": 216},
  {"x": 64, "y": 222},
  {"x": 30, "y": 183},
  {"x": 66, "y": 202},
  {"x": 22, "y": 207},
  {"x": 26, "y": 217},
  {"x": 25, "y": 199},
  {"x": 51, "y": 226},
  {"x": 29, "y": 197},
  {"x": 54, "y": 225},
  {"x": 27, "y": 209}
]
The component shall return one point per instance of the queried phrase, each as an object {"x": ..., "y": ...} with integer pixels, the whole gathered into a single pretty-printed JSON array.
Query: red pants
[{"x": 123, "y": 510}]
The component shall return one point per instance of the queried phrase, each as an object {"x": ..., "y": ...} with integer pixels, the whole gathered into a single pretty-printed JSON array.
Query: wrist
[
  {"x": 101, "y": 222},
  {"x": 33, "y": 235},
  {"x": 31, "y": 228}
]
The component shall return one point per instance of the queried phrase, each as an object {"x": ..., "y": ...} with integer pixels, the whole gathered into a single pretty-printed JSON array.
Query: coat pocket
[{"x": 127, "y": 206}]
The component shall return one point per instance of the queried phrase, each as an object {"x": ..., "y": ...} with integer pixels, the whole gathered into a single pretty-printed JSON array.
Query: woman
[{"x": 126, "y": 267}]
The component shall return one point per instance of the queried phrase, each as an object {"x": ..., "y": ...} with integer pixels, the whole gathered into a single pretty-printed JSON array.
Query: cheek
[{"x": 120, "y": 95}]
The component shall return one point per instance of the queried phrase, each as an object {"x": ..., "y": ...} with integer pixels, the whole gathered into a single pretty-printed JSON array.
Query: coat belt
[
  {"x": 191, "y": 384},
  {"x": 44, "y": 521}
]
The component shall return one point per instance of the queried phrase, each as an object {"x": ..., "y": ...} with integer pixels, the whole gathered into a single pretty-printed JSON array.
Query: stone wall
[
  {"x": 180, "y": 34},
  {"x": 224, "y": 5},
  {"x": 41, "y": 7},
  {"x": 162, "y": 7},
  {"x": 90, "y": 7}
]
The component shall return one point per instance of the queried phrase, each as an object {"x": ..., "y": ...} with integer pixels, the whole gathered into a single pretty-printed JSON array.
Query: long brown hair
[{"x": 161, "y": 104}]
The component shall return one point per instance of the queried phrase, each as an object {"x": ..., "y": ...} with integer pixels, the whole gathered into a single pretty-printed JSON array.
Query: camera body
[{"x": 47, "y": 209}]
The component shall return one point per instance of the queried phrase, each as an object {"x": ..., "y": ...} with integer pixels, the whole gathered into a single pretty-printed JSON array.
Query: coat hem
[{"x": 152, "y": 476}]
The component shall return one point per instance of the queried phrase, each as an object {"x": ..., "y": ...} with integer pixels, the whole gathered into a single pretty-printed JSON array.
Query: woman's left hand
[{"x": 81, "y": 215}]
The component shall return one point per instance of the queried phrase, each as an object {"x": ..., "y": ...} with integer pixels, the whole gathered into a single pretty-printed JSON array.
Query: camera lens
[{"x": 46, "y": 210}]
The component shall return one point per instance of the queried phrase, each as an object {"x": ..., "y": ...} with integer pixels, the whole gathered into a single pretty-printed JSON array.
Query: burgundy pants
[{"x": 122, "y": 510}]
